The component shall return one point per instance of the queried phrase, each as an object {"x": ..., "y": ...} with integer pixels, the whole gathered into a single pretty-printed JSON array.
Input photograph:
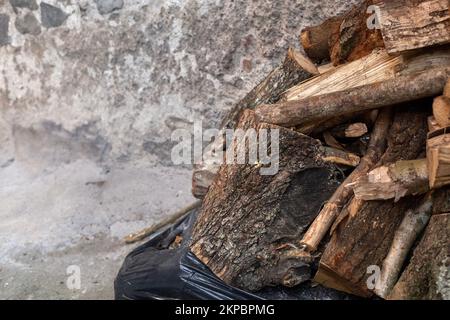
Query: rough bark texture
[
  {"x": 412, "y": 24},
  {"x": 249, "y": 223},
  {"x": 427, "y": 276},
  {"x": 372, "y": 96},
  {"x": 353, "y": 39},
  {"x": 365, "y": 230},
  {"x": 294, "y": 69}
]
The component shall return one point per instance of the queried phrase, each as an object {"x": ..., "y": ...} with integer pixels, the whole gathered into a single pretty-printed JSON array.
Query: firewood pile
[{"x": 361, "y": 200}]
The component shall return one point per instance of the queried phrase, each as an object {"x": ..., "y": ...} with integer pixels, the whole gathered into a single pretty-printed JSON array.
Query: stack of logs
[{"x": 360, "y": 202}]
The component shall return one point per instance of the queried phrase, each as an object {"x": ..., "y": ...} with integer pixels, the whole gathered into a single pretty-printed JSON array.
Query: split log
[
  {"x": 249, "y": 224},
  {"x": 372, "y": 96},
  {"x": 353, "y": 130},
  {"x": 413, "y": 24},
  {"x": 315, "y": 39},
  {"x": 427, "y": 275},
  {"x": 354, "y": 39},
  {"x": 393, "y": 181},
  {"x": 364, "y": 230},
  {"x": 376, "y": 67},
  {"x": 412, "y": 225},
  {"x": 331, "y": 209},
  {"x": 432, "y": 124},
  {"x": 294, "y": 69},
  {"x": 438, "y": 158},
  {"x": 441, "y": 111}
]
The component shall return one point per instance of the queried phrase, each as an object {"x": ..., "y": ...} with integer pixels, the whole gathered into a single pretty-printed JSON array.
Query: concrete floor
[{"x": 76, "y": 214}]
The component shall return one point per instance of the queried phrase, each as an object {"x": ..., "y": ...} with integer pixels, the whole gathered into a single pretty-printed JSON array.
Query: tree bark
[
  {"x": 427, "y": 275},
  {"x": 372, "y": 96},
  {"x": 331, "y": 209},
  {"x": 250, "y": 223},
  {"x": 364, "y": 230},
  {"x": 294, "y": 69},
  {"x": 413, "y": 24}
]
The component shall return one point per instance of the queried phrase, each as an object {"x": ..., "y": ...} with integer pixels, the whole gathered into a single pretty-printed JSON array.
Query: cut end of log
[
  {"x": 302, "y": 61},
  {"x": 441, "y": 111}
]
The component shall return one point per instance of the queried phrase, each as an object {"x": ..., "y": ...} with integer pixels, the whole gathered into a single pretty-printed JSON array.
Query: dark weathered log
[
  {"x": 412, "y": 24},
  {"x": 354, "y": 39},
  {"x": 331, "y": 209},
  {"x": 315, "y": 39},
  {"x": 427, "y": 276},
  {"x": 363, "y": 231},
  {"x": 413, "y": 223},
  {"x": 294, "y": 69},
  {"x": 393, "y": 181},
  {"x": 372, "y": 96},
  {"x": 250, "y": 223}
]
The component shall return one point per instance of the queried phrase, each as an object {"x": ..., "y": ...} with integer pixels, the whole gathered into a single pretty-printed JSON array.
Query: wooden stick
[
  {"x": 393, "y": 181},
  {"x": 134, "y": 237},
  {"x": 412, "y": 225},
  {"x": 353, "y": 130},
  {"x": 337, "y": 156},
  {"x": 438, "y": 159},
  {"x": 409, "y": 24},
  {"x": 327, "y": 215},
  {"x": 372, "y": 96}
]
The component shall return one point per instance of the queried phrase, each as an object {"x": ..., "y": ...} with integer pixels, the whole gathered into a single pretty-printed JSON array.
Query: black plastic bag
[{"x": 155, "y": 271}]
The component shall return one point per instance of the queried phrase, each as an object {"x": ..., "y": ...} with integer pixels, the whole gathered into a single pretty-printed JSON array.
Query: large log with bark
[
  {"x": 250, "y": 224},
  {"x": 294, "y": 69},
  {"x": 413, "y": 24},
  {"x": 372, "y": 96},
  {"x": 427, "y": 275},
  {"x": 363, "y": 231}
]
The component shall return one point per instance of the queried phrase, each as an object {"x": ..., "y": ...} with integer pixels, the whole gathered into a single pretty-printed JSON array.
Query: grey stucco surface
[{"x": 87, "y": 108}]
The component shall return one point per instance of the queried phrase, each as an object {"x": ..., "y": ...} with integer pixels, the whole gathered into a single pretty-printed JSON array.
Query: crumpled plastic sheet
[{"x": 154, "y": 271}]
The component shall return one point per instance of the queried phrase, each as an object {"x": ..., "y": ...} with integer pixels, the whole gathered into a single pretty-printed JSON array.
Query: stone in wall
[
  {"x": 4, "y": 27},
  {"x": 29, "y": 4},
  {"x": 28, "y": 24},
  {"x": 52, "y": 16},
  {"x": 108, "y": 6}
]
